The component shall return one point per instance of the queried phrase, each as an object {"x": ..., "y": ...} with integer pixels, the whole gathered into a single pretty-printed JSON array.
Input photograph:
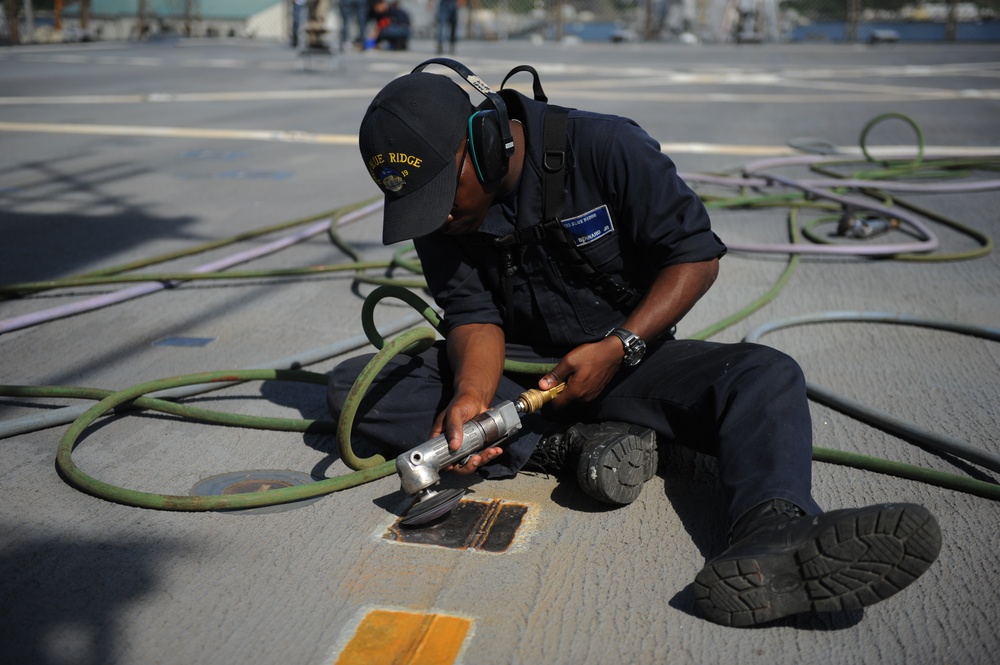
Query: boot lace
[{"x": 550, "y": 454}]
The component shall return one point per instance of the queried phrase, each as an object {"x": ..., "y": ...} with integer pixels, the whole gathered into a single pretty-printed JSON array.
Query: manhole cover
[{"x": 241, "y": 482}]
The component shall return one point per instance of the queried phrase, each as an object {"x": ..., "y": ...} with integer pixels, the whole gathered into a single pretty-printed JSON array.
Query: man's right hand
[{"x": 451, "y": 421}]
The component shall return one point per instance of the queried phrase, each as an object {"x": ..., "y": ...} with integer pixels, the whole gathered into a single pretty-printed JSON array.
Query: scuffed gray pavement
[{"x": 115, "y": 152}]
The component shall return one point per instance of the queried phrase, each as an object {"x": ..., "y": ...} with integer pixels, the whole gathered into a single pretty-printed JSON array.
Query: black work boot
[
  {"x": 611, "y": 460},
  {"x": 783, "y": 562}
]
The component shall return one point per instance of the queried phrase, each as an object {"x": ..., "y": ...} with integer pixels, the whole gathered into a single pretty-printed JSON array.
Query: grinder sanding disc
[{"x": 432, "y": 506}]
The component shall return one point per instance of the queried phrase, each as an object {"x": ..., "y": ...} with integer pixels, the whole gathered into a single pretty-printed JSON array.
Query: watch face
[
  {"x": 636, "y": 349},
  {"x": 634, "y": 346}
]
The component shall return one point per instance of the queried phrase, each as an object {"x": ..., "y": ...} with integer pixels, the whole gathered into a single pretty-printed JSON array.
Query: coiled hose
[
  {"x": 924, "y": 438},
  {"x": 413, "y": 341}
]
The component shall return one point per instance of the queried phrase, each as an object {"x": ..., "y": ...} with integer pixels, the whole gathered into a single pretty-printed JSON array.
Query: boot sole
[
  {"x": 614, "y": 472},
  {"x": 849, "y": 560}
]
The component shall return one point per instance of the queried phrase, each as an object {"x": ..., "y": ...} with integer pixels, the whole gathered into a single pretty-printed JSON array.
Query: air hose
[
  {"x": 365, "y": 469},
  {"x": 376, "y": 467},
  {"x": 8, "y": 291},
  {"x": 147, "y": 283},
  {"x": 985, "y": 242},
  {"x": 412, "y": 341},
  {"x": 873, "y": 184},
  {"x": 99, "y": 488},
  {"x": 924, "y": 438},
  {"x": 67, "y": 414}
]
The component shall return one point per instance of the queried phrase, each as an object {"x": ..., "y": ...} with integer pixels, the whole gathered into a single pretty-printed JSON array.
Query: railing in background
[{"x": 685, "y": 21}]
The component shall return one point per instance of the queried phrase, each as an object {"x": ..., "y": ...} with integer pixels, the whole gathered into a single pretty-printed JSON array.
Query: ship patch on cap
[{"x": 390, "y": 171}]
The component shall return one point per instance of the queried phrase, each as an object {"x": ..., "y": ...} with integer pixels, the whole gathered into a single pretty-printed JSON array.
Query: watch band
[{"x": 634, "y": 346}]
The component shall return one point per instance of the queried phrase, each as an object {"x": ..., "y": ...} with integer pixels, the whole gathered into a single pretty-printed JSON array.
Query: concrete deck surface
[{"x": 113, "y": 152}]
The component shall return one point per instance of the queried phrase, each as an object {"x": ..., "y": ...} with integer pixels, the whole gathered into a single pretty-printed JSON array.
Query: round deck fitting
[{"x": 258, "y": 480}]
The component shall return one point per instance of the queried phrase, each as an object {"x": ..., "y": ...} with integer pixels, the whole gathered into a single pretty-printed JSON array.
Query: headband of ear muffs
[{"x": 490, "y": 140}]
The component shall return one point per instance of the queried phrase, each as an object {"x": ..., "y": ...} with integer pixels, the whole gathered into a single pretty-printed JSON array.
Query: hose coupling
[{"x": 532, "y": 400}]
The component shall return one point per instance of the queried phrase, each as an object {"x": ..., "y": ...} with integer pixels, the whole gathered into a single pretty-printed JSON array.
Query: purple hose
[
  {"x": 754, "y": 176},
  {"x": 145, "y": 288}
]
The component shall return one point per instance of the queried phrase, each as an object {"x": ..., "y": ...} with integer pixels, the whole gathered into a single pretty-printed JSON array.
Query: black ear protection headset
[{"x": 490, "y": 140}]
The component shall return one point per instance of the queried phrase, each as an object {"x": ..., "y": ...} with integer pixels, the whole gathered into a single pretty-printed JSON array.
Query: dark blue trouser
[
  {"x": 447, "y": 22},
  {"x": 353, "y": 11},
  {"x": 744, "y": 404}
]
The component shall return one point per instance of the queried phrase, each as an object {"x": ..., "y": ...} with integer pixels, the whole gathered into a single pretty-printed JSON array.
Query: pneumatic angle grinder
[{"x": 419, "y": 468}]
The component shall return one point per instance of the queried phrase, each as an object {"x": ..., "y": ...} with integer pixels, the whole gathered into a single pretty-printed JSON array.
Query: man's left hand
[{"x": 586, "y": 370}]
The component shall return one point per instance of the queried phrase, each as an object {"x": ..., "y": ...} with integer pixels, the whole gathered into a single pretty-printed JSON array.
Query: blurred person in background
[
  {"x": 447, "y": 24},
  {"x": 392, "y": 26},
  {"x": 356, "y": 12}
]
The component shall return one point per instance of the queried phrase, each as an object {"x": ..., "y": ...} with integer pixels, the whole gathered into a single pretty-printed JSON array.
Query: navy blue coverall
[{"x": 631, "y": 214}]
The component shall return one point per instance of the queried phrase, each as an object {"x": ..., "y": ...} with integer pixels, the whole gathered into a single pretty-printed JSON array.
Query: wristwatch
[{"x": 634, "y": 346}]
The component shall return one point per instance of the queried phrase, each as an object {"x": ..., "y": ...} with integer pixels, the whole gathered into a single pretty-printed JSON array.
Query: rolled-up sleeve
[{"x": 659, "y": 213}]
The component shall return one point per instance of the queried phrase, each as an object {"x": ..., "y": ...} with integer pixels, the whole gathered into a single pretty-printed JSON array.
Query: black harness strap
[
  {"x": 562, "y": 245},
  {"x": 558, "y": 241}
]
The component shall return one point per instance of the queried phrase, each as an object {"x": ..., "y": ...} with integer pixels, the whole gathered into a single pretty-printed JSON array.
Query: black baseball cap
[{"x": 408, "y": 139}]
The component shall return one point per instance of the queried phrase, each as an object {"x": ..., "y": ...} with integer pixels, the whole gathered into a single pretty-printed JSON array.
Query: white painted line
[
  {"x": 181, "y": 132},
  {"x": 258, "y": 95},
  {"x": 832, "y": 97}
]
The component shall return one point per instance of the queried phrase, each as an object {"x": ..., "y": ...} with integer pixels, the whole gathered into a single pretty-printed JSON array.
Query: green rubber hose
[
  {"x": 87, "y": 483},
  {"x": 871, "y": 124},
  {"x": 417, "y": 340},
  {"x": 186, "y": 410},
  {"x": 985, "y": 241},
  {"x": 18, "y": 290},
  {"x": 930, "y": 440},
  {"x": 909, "y": 471},
  {"x": 411, "y": 341}
]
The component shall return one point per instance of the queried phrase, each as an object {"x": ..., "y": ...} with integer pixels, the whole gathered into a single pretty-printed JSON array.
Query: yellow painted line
[
  {"x": 334, "y": 139},
  {"x": 775, "y": 98},
  {"x": 405, "y": 638},
  {"x": 74, "y": 99},
  {"x": 181, "y": 132},
  {"x": 282, "y": 136}
]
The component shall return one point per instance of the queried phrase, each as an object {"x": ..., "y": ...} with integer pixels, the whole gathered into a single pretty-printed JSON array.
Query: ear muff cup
[
  {"x": 490, "y": 141},
  {"x": 486, "y": 146}
]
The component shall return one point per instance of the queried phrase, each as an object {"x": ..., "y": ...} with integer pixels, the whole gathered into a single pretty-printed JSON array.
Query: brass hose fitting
[{"x": 532, "y": 400}]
